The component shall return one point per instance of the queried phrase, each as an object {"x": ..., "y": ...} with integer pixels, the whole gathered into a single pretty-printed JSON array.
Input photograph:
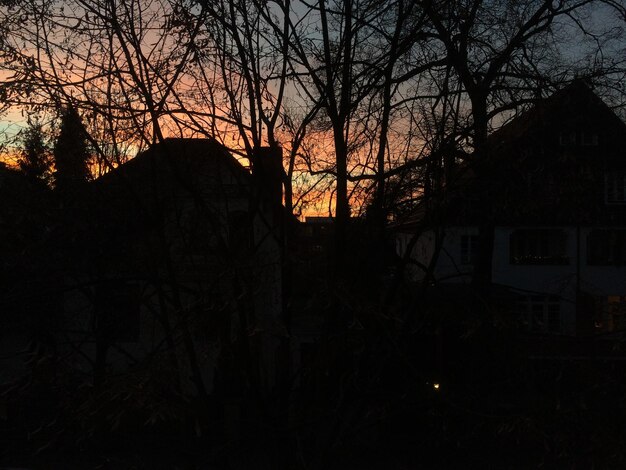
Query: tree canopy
[
  {"x": 373, "y": 104},
  {"x": 71, "y": 153},
  {"x": 360, "y": 95},
  {"x": 35, "y": 159}
]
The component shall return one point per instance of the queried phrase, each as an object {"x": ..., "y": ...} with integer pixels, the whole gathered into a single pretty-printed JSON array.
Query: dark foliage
[
  {"x": 71, "y": 152},
  {"x": 35, "y": 160}
]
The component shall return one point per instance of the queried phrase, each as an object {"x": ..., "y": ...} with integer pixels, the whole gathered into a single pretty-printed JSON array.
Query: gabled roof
[
  {"x": 170, "y": 174},
  {"x": 561, "y": 108},
  {"x": 535, "y": 179},
  {"x": 183, "y": 160}
]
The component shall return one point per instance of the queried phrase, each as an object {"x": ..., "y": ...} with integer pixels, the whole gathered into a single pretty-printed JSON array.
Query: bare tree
[{"x": 502, "y": 56}]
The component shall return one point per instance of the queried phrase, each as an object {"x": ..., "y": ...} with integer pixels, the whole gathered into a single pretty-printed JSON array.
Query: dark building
[
  {"x": 179, "y": 268},
  {"x": 556, "y": 199}
]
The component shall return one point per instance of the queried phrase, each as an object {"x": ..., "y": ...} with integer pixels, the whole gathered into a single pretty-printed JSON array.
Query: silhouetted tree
[
  {"x": 35, "y": 160},
  {"x": 71, "y": 152},
  {"x": 355, "y": 88}
]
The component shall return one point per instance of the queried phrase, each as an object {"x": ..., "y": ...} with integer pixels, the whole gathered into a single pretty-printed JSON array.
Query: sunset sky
[{"x": 115, "y": 77}]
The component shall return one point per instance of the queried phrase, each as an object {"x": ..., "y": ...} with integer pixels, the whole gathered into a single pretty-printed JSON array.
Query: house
[
  {"x": 173, "y": 277},
  {"x": 557, "y": 191}
]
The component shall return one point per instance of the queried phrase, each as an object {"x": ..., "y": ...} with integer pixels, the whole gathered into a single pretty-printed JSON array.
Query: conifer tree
[
  {"x": 71, "y": 152},
  {"x": 35, "y": 159}
]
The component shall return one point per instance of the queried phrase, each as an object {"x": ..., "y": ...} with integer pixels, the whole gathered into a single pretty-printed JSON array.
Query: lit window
[
  {"x": 616, "y": 313},
  {"x": 615, "y": 187},
  {"x": 468, "y": 249},
  {"x": 610, "y": 314},
  {"x": 538, "y": 246}
]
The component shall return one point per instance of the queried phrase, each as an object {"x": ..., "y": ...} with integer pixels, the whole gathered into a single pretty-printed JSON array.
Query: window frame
[
  {"x": 533, "y": 250},
  {"x": 567, "y": 138},
  {"x": 540, "y": 313},
  {"x": 606, "y": 247},
  {"x": 612, "y": 187},
  {"x": 589, "y": 139},
  {"x": 114, "y": 301},
  {"x": 469, "y": 245},
  {"x": 240, "y": 236}
]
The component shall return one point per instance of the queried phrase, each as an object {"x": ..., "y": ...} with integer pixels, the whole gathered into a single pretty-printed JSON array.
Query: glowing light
[{"x": 436, "y": 386}]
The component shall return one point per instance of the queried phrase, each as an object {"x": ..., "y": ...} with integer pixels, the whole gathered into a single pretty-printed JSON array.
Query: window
[
  {"x": 610, "y": 314},
  {"x": 468, "y": 248},
  {"x": 539, "y": 313},
  {"x": 606, "y": 248},
  {"x": 554, "y": 316},
  {"x": 538, "y": 246},
  {"x": 615, "y": 187},
  {"x": 616, "y": 313},
  {"x": 117, "y": 306},
  {"x": 239, "y": 231},
  {"x": 589, "y": 139},
  {"x": 308, "y": 364},
  {"x": 200, "y": 235},
  {"x": 567, "y": 138},
  {"x": 570, "y": 138}
]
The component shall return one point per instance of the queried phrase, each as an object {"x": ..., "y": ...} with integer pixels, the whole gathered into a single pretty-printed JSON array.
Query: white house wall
[
  {"x": 450, "y": 267},
  {"x": 558, "y": 280}
]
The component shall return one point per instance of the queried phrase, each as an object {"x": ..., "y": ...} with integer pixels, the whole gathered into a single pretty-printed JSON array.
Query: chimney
[{"x": 267, "y": 171}]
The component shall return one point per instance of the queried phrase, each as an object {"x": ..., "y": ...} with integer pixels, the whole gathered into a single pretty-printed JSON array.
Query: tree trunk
[{"x": 482, "y": 269}]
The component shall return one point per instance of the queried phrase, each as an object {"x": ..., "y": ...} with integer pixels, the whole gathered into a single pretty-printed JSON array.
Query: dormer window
[
  {"x": 589, "y": 139},
  {"x": 615, "y": 187}
]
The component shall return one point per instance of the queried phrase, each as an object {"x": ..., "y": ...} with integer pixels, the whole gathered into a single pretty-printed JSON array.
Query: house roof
[
  {"x": 530, "y": 178},
  {"x": 562, "y": 108},
  {"x": 173, "y": 175},
  {"x": 158, "y": 185},
  {"x": 180, "y": 161}
]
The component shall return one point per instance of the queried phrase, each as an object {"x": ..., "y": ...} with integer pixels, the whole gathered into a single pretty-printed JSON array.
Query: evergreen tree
[
  {"x": 35, "y": 160},
  {"x": 71, "y": 152}
]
